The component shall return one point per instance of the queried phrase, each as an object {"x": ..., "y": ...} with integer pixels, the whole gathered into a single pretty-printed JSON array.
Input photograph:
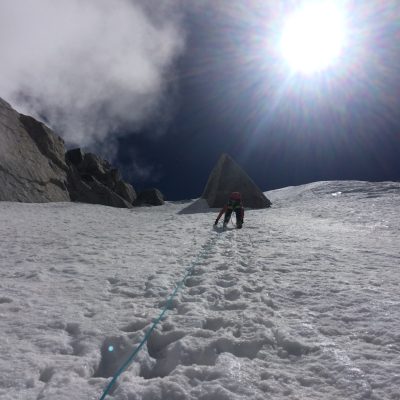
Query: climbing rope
[{"x": 204, "y": 251}]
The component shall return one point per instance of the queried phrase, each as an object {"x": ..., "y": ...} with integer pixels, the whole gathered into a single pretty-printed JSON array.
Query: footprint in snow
[
  {"x": 223, "y": 267},
  {"x": 193, "y": 281},
  {"x": 232, "y": 294},
  {"x": 135, "y": 325},
  {"x": 215, "y": 324},
  {"x": 228, "y": 306},
  {"x": 225, "y": 283},
  {"x": 5, "y": 300},
  {"x": 197, "y": 290}
]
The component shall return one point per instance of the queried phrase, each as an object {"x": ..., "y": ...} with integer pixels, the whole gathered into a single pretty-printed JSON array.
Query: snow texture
[{"x": 302, "y": 303}]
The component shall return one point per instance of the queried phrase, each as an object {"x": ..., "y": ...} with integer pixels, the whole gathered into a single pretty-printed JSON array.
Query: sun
[{"x": 313, "y": 37}]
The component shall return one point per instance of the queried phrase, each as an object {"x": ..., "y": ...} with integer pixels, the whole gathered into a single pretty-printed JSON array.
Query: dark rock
[
  {"x": 87, "y": 189},
  {"x": 94, "y": 180},
  {"x": 74, "y": 156},
  {"x": 100, "y": 169},
  {"x": 115, "y": 175},
  {"x": 111, "y": 178},
  {"x": 32, "y": 160},
  {"x": 126, "y": 191},
  {"x": 227, "y": 177},
  {"x": 106, "y": 196},
  {"x": 93, "y": 165},
  {"x": 35, "y": 168},
  {"x": 48, "y": 143},
  {"x": 151, "y": 197}
]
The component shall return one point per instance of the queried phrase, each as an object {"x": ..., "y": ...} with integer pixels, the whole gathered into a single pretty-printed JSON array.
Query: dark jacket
[{"x": 232, "y": 205}]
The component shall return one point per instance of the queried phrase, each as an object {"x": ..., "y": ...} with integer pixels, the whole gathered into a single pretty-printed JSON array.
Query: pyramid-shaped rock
[{"x": 227, "y": 177}]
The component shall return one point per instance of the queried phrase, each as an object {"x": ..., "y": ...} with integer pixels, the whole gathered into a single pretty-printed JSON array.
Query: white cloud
[{"x": 89, "y": 66}]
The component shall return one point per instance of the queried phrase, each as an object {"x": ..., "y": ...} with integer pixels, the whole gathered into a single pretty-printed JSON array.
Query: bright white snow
[{"x": 302, "y": 303}]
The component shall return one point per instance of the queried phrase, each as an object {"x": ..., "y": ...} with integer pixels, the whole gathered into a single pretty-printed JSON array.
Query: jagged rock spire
[{"x": 226, "y": 177}]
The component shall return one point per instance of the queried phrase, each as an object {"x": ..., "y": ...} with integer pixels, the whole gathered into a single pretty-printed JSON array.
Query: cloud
[{"x": 90, "y": 68}]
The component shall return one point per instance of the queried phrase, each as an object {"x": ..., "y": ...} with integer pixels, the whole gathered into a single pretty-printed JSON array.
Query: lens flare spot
[{"x": 313, "y": 36}]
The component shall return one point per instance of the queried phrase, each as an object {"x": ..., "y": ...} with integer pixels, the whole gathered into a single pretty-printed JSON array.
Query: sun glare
[{"x": 313, "y": 37}]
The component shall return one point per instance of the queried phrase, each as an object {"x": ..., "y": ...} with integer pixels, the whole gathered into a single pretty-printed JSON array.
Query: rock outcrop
[
  {"x": 35, "y": 168},
  {"x": 93, "y": 180},
  {"x": 227, "y": 177},
  {"x": 32, "y": 160},
  {"x": 150, "y": 197}
]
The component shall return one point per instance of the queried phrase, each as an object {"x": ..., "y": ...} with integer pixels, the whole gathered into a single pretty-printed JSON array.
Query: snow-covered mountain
[{"x": 302, "y": 303}]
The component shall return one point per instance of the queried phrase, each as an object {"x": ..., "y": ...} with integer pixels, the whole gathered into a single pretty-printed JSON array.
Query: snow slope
[{"x": 303, "y": 303}]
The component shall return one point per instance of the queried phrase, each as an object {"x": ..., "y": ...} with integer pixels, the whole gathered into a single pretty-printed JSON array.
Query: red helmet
[{"x": 235, "y": 196}]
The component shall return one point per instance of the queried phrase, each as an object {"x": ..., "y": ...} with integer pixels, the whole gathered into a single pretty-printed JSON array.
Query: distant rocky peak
[{"x": 34, "y": 167}]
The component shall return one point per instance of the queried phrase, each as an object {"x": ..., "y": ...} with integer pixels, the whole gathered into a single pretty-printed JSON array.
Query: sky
[{"x": 162, "y": 88}]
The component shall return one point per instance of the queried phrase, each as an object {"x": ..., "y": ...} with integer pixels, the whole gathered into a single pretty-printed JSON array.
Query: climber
[{"x": 234, "y": 204}]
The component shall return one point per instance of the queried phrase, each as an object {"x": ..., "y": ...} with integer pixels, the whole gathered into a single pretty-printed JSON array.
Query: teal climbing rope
[{"x": 204, "y": 251}]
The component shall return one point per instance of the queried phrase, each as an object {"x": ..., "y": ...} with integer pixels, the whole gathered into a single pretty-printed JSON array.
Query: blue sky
[{"x": 236, "y": 96}]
